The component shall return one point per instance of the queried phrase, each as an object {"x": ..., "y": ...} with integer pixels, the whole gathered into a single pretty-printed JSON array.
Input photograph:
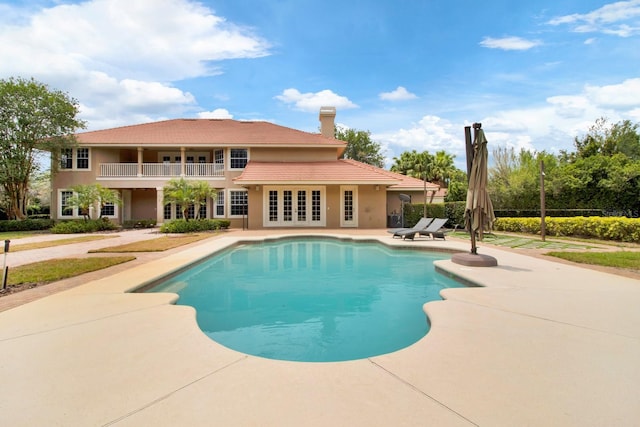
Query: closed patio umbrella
[{"x": 478, "y": 212}]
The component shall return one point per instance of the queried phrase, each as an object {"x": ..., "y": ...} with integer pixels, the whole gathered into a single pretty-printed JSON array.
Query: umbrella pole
[{"x": 470, "y": 156}]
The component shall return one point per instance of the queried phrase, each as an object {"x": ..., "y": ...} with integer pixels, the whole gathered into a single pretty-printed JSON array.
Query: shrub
[
  {"x": 183, "y": 226},
  {"x": 26, "y": 225},
  {"x": 604, "y": 228},
  {"x": 83, "y": 226},
  {"x": 139, "y": 223}
]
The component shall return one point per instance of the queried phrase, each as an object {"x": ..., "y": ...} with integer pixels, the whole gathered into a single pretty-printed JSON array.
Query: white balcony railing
[{"x": 160, "y": 170}]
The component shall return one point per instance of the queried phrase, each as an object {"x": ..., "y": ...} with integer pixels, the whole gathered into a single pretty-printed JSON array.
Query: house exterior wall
[
  {"x": 371, "y": 209},
  {"x": 143, "y": 204},
  {"x": 139, "y": 173},
  {"x": 292, "y": 155}
]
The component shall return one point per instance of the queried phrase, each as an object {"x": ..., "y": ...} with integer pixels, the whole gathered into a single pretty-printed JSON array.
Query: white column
[
  {"x": 126, "y": 205},
  {"x": 140, "y": 159},
  {"x": 183, "y": 161},
  {"x": 159, "y": 205}
]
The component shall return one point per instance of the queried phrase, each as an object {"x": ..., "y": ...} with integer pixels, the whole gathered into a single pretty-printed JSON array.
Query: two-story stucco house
[{"x": 265, "y": 175}]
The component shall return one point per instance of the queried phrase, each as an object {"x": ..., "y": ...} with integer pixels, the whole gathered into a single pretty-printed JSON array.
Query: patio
[{"x": 542, "y": 343}]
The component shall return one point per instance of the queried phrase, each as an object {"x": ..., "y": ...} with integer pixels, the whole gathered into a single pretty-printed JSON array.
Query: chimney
[{"x": 327, "y": 121}]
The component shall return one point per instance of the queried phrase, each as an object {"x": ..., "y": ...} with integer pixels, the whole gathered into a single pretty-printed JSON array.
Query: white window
[
  {"x": 108, "y": 210},
  {"x": 238, "y": 203},
  {"x": 238, "y": 158},
  {"x": 75, "y": 159},
  {"x": 82, "y": 158},
  {"x": 219, "y": 207},
  {"x": 65, "y": 209},
  {"x": 66, "y": 158}
]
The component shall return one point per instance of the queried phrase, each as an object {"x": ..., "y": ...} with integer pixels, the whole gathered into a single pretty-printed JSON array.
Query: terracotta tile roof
[
  {"x": 403, "y": 182},
  {"x": 212, "y": 132},
  {"x": 333, "y": 172}
]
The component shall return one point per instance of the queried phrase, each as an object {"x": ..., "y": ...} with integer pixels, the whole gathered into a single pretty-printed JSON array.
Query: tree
[
  {"x": 609, "y": 139},
  {"x": 414, "y": 164},
  {"x": 360, "y": 147},
  {"x": 442, "y": 169},
  {"x": 86, "y": 196},
  {"x": 514, "y": 180},
  {"x": 457, "y": 187},
  {"x": 201, "y": 190},
  {"x": 185, "y": 193},
  {"x": 33, "y": 119}
]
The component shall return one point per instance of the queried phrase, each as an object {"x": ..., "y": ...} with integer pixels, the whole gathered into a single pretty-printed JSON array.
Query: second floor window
[
  {"x": 238, "y": 158},
  {"x": 82, "y": 159},
  {"x": 66, "y": 158},
  {"x": 74, "y": 158}
]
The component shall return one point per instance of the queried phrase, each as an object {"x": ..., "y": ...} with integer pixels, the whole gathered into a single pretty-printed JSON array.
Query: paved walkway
[{"x": 542, "y": 343}]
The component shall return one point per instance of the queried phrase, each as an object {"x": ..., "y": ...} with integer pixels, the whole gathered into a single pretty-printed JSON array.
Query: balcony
[{"x": 160, "y": 170}]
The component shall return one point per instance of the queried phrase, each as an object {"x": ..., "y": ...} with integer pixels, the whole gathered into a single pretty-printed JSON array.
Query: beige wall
[
  {"x": 143, "y": 204},
  {"x": 292, "y": 155},
  {"x": 372, "y": 212},
  {"x": 371, "y": 208}
]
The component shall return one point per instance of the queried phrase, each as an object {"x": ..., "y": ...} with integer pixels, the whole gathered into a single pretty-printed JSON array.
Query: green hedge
[
  {"x": 454, "y": 211},
  {"x": 83, "y": 226},
  {"x": 139, "y": 223},
  {"x": 532, "y": 213},
  {"x": 194, "y": 225},
  {"x": 26, "y": 225},
  {"x": 605, "y": 228}
]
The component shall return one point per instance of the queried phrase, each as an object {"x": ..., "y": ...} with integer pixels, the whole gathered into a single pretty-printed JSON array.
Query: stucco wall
[
  {"x": 143, "y": 204},
  {"x": 292, "y": 155}
]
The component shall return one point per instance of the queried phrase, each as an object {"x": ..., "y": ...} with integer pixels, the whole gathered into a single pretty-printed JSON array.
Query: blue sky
[{"x": 412, "y": 72}]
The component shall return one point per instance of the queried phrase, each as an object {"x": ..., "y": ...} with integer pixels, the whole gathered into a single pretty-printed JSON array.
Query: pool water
[{"x": 312, "y": 299}]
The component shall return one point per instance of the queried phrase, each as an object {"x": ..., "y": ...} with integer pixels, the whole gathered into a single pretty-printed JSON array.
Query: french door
[{"x": 294, "y": 206}]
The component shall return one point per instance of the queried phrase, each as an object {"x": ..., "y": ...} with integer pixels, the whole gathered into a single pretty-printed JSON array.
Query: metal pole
[
  {"x": 469, "y": 147},
  {"x": 543, "y": 213},
  {"x": 4, "y": 267}
]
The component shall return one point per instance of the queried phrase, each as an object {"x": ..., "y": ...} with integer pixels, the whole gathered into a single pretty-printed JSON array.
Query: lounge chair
[
  {"x": 421, "y": 225},
  {"x": 434, "y": 230}
]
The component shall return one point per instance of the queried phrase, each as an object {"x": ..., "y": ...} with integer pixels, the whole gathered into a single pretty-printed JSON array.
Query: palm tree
[
  {"x": 180, "y": 192},
  {"x": 87, "y": 196},
  {"x": 201, "y": 190},
  {"x": 185, "y": 193},
  {"x": 443, "y": 168}
]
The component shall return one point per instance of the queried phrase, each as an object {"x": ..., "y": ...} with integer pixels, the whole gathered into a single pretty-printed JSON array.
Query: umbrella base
[{"x": 474, "y": 260}]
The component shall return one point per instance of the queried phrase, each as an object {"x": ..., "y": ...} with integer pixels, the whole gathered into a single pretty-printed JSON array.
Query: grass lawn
[
  {"x": 51, "y": 243},
  {"x": 12, "y": 235},
  {"x": 524, "y": 241},
  {"x": 619, "y": 259},
  {"x": 155, "y": 245},
  {"x": 39, "y": 273},
  {"x": 42, "y": 272}
]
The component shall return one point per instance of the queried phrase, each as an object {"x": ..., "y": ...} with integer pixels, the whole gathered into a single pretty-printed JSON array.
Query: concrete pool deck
[{"x": 542, "y": 343}]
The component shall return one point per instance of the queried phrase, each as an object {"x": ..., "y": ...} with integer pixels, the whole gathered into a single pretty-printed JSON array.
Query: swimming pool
[{"x": 312, "y": 299}]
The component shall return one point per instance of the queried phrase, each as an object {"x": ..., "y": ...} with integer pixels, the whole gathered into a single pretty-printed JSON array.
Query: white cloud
[
  {"x": 218, "y": 113},
  {"x": 117, "y": 56},
  {"x": 509, "y": 43},
  {"x": 311, "y": 102},
  {"x": 620, "y": 18},
  {"x": 549, "y": 126},
  {"x": 619, "y": 96},
  {"x": 400, "y": 94}
]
